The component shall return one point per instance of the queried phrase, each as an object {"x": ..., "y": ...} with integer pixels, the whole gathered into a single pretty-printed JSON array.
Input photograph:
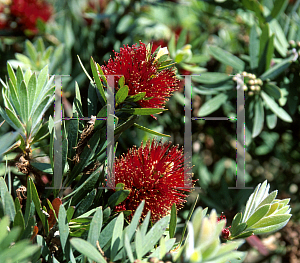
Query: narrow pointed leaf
[
  {"x": 258, "y": 214},
  {"x": 87, "y": 249},
  {"x": 280, "y": 112},
  {"x": 226, "y": 58}
]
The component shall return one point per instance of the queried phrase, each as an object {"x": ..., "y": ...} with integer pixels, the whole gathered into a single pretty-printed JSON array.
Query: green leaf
[
  {"x": 70, "y": 213},
  {"x": 63, "y": 227},
  {"x": 37, "y": 203},
  {"x": 87, "y": 249},
  {"x": 92, "y": 101},
  {"x": 271, "y": 119},
  {"x": 254, "y": 48},
  {"x": 14, "y": 120},
  {"x": 257, "y": 215},
  {"x": 128, "y": 248},
  {"x": 19, "y": 221},
  {"x": 31, "y": 50},
  {"x": 172, "y": 46},
  {"x": 135, "y": 221},
  {"x": 97, "y": 78},
  {"x": 12, "y": 75},
  {"x": 9, "y": 206},
  {"x": 116, "y": 240},
  {"x": 236, "y": 220},
  {"x": 47, "y": 53},
  {"x": 40, "y": 45},
  {"x": 27, "y": 76},
  {"x": 4, "y": 223},
  {"x": 139, "y": 244},
  {"x": 256, "y": 7},
  {"x": 106, "y": 233},
  {"x": 271, "y": 220},
  {"x": 258, "y": 118},
  {"x": 10, "y": 238},
  {"x": 118, "y": 197},
  {"x": 244, "y": 234},
  {"x": 84, "y": 188},
  {"x": 24, "y": 102},
  {"x": 280, "y": 112},
  {"x": 278, "y": 7},
  {"x": 182, "y": 39},
  {"x": 85, "y": 204},
  {"x": 86, "y": 155},
  {"x": 143, "y": 111},
  {"x": 154, "y": 234},
  {"x": 173, "y": 221},
  {"x": 14, "y": 96},
  {"x": 269, "y": 199},
  {"x": 211, "y": 78},
  {"x": 86, "y": 73},
  {"x": 239, "y": 229},
  {"x": 264, "y": 37},
  {"x": 20, "y": 78},
  {"x": 150, "y": 131},
  {"x": 40, "y": 111},
  {"x": 41, "y": 80},
  {"x": 32, "y": 87},
  {"x": 17, "y": 204},
  {"x": 226, "y": 58},
  {"x": 145, "y": 223},
  {"x": 28, "y": 201},
  {"x": 122, "y": 94},
  {"x": 280, "y": 42},
  {"x": 273, "y": 90},
  {"x": 212, "y": 105},
  {"x": 137, "y": 97},
  {"x": 77, "y": 104},
  {"x": 20, "y": 252},
  {"x": 271, "y": 228},
  {"x": 276, "y": 70},
  {"x": 95, "y": 227}
]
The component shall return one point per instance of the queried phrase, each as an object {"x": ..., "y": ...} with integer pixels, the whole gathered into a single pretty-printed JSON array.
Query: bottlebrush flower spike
[
  {"x": 154, "y": 173},
  {"x": 142, "y": 74},
  {"x": 27, "y": 12}
]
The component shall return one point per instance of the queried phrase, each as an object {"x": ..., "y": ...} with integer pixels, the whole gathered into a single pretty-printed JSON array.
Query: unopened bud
[
  {"x": 257, "y": 88},
  {"x": 251, "y": 82},
  {"x": 252, "y": 87},
  {"x": 250, "y": 93},
  {"x": 292, "y": 43}
]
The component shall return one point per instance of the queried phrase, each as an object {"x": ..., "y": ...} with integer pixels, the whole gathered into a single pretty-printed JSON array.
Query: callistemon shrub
[
  {"x": 146, "y": 72},
  {"x": 154, "y": 173}
]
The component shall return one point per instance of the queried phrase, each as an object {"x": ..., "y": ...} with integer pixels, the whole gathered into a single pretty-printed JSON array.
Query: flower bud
[{"x": 292, "y": 43}]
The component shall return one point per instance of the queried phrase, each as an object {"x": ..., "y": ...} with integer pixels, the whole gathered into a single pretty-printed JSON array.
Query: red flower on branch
[
  {"x": 154, "y": 173},
  {"x": 142, "y": 74},
  {"x": 26, "y": 13}
]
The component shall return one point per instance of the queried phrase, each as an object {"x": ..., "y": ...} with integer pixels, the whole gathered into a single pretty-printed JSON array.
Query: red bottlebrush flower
[
  {"x": 28, "y": 11},
  {"x": 154, "y": 173},
  {"x": 225, "y": 232},
  {"x": 157, "y": 43},
  {"x": 142, "y": 75}
]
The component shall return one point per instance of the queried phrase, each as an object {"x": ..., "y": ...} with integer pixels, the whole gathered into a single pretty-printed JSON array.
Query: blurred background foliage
[{"x": 262, "y": 39}]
